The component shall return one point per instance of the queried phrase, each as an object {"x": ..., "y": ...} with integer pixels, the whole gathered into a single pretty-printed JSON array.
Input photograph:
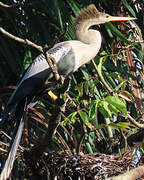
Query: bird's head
[
  {"x": 92, "y": 16},
  {"x": 104, "y": 18}
]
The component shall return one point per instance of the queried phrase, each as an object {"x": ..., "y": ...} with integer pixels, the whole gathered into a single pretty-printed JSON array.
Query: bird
[{"x": 69, "y": 56}]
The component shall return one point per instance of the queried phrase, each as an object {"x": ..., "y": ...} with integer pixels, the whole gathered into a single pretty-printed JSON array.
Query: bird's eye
[{"x": 107, "y": 16}]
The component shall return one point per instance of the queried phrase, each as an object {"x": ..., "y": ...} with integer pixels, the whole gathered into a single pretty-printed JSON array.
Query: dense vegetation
[{"x": 104, "y": 102}]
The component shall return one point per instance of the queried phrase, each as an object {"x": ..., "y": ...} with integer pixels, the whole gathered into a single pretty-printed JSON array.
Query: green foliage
[
  {"x": 99, "y": 91},
  {"x": 117, "y": 103},
  {"x": 123, "y": 126}
]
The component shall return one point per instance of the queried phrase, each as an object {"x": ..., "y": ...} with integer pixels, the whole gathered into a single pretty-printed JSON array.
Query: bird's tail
[{"x": 8, "y": 165}]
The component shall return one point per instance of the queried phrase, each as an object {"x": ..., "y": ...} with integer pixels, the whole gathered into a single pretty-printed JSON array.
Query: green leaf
[
  {"x": 116, "y": 32},
  {"x": 114, "y": 109},
  {"x": 70, "y": 119},
  {"x": 27, "y": 59},
  {"x": 73, "y": 6},
  {"x": 89, "y": 148},
  {"x": 114, "y": 126},
  {"x": 101, "y": 61},
  {"x": 86, "y": 87},
  {"x": 79, "y": 88},
  {"x": 126, "y": 4},
  {"x": 85, "y": 73},
  {"x": 124, "y": 126},
  {"x": 102, "y": 126},
  {"x": 120, "y": 85},
  {"x": 84, "y": 117},
  {"x": 93, "y": 109},
  {"x": 114, "y": 75},
  {"x": 115, "y": 101},
  {"x": 104, "y": 109}
]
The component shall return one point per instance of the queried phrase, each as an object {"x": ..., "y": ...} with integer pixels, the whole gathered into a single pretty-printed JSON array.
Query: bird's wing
[
  {"x": 39, "y": 71},
  {"x": 40, "y": 64}
]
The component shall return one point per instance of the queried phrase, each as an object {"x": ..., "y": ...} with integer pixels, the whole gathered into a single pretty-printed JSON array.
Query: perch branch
[
  {"x": 24, "y": 41},
  {"x": 51, "y": 61}
]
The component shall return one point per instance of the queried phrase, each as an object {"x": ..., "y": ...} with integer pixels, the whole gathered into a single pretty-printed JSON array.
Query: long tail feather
[
  {"x": 12, "y": 153},
  {"x": 14, "y": 144}
]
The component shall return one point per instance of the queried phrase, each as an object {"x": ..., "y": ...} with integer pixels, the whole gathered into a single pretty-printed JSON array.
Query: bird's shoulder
[
  {"x": 58, "y": 51},
  {"x": 39, "y": 64}
]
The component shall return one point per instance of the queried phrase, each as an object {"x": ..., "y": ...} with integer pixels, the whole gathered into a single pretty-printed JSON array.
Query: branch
[
  {"x": 11, "y": 6},
  {"x": 107, "y": 87},
  {"x": 24, "y": 41},
  {"x": 4, "y": 5},
  {"x": 135, "y": 123},
  {"x": 51, "y": 61}
]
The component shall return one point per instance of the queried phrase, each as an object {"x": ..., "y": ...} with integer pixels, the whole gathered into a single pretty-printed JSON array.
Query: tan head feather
[{"x": 86, "y": 14}]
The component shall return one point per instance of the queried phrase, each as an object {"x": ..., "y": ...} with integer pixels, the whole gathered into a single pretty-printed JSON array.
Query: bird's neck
[
  {"x": 91, "y": 40},
  {"x": 86, "y": 35}
]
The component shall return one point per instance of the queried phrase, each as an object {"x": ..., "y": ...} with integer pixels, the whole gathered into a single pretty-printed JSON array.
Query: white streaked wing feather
[{"x": 40, "y": 63}]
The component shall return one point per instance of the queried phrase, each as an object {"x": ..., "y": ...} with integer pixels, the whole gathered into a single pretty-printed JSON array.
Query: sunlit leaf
[
  {"x": 114, "y": 109},
  {"x": 129, "y": 8},
  {"x": 115, "y": 101},
  {"x": 116, "y": 32},
  {"x": 104, "y": 109},
  {"x": 120, "y": 85},
  {"x": 93, "y": 109},
  {"x": 101, "y": 61},
  {"x": 80, "y": 89},
  {"x": 70, "y": 119},
  {"x": 114, "y": 126},
  {"x": 124, "y": 126},
  {"x": 84, "y": 117}
]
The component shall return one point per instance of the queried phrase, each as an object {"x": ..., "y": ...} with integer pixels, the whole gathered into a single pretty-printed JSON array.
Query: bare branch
[
  {"x": 107, "y": 87},
  {"x": 24, "y": 41},
  {"x": 4, "y": 5},
  {"x": 135, "y": 123},
  {"x": 11, "y": 6},
  {"x": 51, "y": 61}
]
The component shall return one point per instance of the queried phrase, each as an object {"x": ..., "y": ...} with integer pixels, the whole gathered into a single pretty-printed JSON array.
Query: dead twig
[
  {"x": 135, "y": 123},
  {"x": 18, "y": 39},
  {"x": 11, "y": 6}
]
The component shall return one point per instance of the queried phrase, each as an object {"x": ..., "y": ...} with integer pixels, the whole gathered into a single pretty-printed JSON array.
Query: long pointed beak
[{"x": 116, "y": 18}]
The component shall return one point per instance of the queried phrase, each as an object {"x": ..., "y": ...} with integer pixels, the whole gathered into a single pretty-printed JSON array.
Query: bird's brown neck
[{"x": 85, "y": 34}]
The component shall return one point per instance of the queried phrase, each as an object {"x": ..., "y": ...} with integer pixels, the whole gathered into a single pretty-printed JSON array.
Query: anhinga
[{"x": 69, "y": 56}]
